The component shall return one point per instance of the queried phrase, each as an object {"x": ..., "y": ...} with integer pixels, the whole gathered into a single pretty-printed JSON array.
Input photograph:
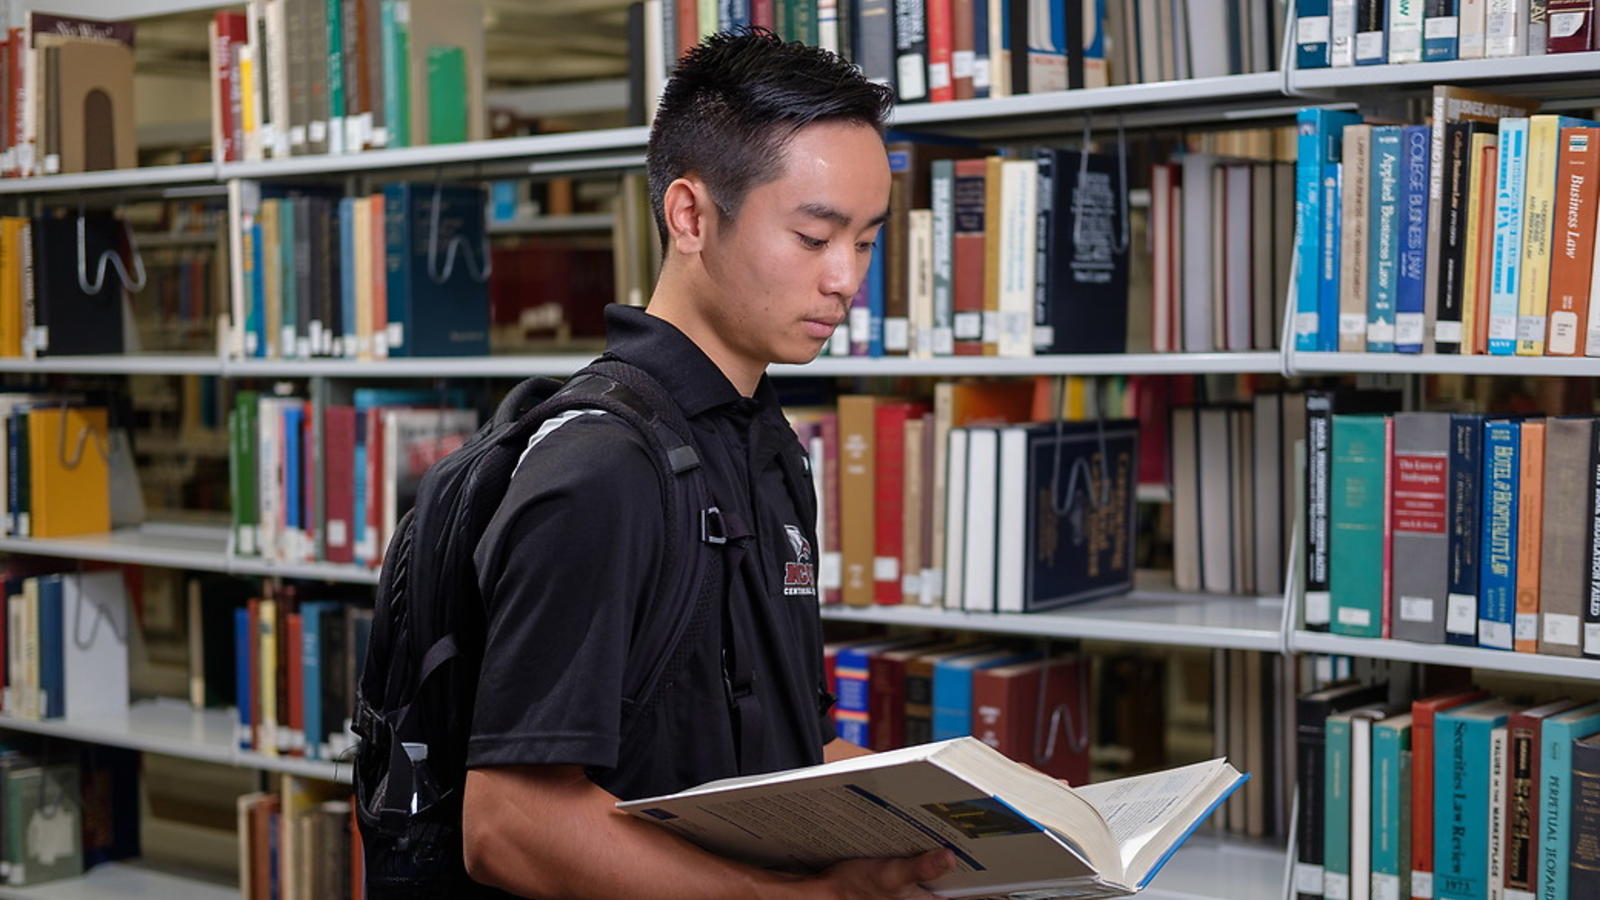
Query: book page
[{"x": 1138, "y": 808}]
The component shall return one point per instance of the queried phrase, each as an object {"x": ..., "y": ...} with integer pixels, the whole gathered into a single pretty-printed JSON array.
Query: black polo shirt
[{"x": 569, "y": 562}]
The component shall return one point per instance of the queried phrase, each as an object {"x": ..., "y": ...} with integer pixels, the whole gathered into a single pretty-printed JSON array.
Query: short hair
[{"x": 734, "y": 102}]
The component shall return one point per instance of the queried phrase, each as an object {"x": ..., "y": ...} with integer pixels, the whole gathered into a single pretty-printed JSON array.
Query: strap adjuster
[{"x": 713, "y": 530}]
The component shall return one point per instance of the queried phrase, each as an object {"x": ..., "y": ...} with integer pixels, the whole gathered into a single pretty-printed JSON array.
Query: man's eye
[
  {"x": 811, "y": 243},
  {"x": 865, "y": 246}
]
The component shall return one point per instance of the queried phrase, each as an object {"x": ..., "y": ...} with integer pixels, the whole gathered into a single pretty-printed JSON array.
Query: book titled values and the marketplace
[{"x": 1016, "y": 833}]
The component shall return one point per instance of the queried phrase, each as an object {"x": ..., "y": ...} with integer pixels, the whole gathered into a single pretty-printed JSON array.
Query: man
[{"x": 769, "y": 183}]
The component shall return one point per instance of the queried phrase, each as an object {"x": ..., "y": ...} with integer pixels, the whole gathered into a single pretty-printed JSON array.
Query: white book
[
  {"x": 1208, "y": 28},
  {"x": 1405, "y": 31},
  {"x": 94, "y": 646},
  {"x": 828, "y": 25},
  {"x": 955, "y": 519},
  {"x": 1474, "y": 22},
  {"x": 1343, "y": 45},
  {"x": 983, "y": 462},
  {"x": 1216, "y": 502},
  {"x": 269, "y": 482},
  {"x": 1197, "y": 263},
  {"x": 1237, "y": 260},
  {"x": 1019, "y": 228},
  {"x": 1036, "y": 833},
  {"x": 919, "y": 281},
  {"x": 1505, "y": 30},
  {"x": 1496, "y": 851},
  {"x": 278, "y": 78},
  {"x": 655, "y": 59},
  {"x": 1011, "y": 536},
  {"x": 1361, "y": 805}
]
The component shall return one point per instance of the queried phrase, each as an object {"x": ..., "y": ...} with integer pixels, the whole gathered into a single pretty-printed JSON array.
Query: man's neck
[{"x": 676, "y": 306}]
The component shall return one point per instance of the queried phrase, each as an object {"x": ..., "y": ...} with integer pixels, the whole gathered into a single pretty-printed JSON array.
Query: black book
[
  {"x": 336, "y": 705},
  {"x": 636, "y": 57},
  {"x": 875, "y": 40},
  {"x": 332, "y": 291},
  {"x": 1591, "y": 597},
  {"x": 1311, "y": 739},
  {"x": 911, "y": 50},
  {"x": 1584, "y": 877},
  {"x": 79, "y": 292},
  {"x": 302, "y": 274},
  {"x": 1081, "y": 295},
  {"x": 1076, "y": 43},
  {"x": 1453, "y": 208},
  {"x": 1018, "y": 46},
  {"x": 846, "y": 10}
]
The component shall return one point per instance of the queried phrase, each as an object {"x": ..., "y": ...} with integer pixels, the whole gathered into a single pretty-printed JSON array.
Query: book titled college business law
[{"x": 1014, "y": 831}]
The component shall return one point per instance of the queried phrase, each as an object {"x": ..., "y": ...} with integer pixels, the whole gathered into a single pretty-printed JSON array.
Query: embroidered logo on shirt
[{"x": 799, "y": 576}]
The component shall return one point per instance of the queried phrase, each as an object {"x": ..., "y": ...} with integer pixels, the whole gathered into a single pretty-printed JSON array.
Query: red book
[
  {"x": 1422, "y": 717},
  {"x": 310, "y": 461},
  {"x": 886, "y": 702},
  {"x": 688, "y": 25},
  {"x": 1571, "y": 26},
  {"x": 1572, "y": 252},
  {"x": 358, "y": 861},
  {"x": 1150, "y": 396},
  {"x": 962, "y": 55},
  {"x": 373, "y": 533},
  {"x": 761, "y": 15},
  {"x": 941, "y": 83},
  {"x": 339, "y": 466},
  {"x": 889, "y": 494},
  {"x": 1386, "y": 601},
  {"x": 233, "y": 33},
  {"x": 254, "y": 606},
  {"x": 1522, "y": 793},
  {"x": 831, "y": 575},
  {"x": 967, "y": 275},
  {"x": 1006, "y": 715},
  {"x": 295, "y": 675},
  {"x": 380, "y": 282}
]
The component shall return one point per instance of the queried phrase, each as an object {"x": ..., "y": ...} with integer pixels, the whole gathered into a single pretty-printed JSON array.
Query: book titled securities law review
[{"x": 1015, "y": 832}]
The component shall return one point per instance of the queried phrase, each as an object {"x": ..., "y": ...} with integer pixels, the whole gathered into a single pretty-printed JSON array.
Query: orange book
[
  {"x": 994, "y": 403},
  {"x": 1530, "y": 536},
  {"x": 1572, "y": 250},
  {"x": 69, "y": 470},
  {"x": 1485, "y": 192},
  {"x": 378, "y": 340}
]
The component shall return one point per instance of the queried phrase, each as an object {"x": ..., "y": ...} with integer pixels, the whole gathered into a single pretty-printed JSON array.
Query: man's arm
[
  {"x": 549, "y": 832},
  {"x": 839, "y": 748}
]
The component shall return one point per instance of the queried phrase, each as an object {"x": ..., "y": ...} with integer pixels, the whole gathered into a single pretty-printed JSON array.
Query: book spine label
[
  {"x": 1571, "y": 265},
  {"x": 1441, "y": 31},
  {"x": 1313, "y": 35},
  {"x": 1571, "y": 25},
  {"x": 1385, "y": 239},
  {"x": 911, "y": 50},
  {"x": 1537, "y": 208},
  {"x": 1506, "y": 28},
  {"x": 1452, "y": 232},
  {"x": 1358, "y": 202},
  {"x": 1497, "y": 597},
  {"x": 1411, "y": 276},
  {"x": 1504, "y": 293},
  {"x": 1405, "y": 31}
]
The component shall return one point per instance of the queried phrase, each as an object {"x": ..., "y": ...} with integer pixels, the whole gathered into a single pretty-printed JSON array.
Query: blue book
[
  {"x": 980, "y": 50},
  {"x": 1332, "y": 250},
  {"x": 1497, "y": 592},
  {"x": 1409, "y": 304},
  {"x": 311, "y": 615},
  {"x": 1461, "y": 798},
  {"x": 852, "y": 669},
  {"x": 952, "y": 690},
  {"x": 1383, "y": 239},
  {"x": 293, "y": 415},
  {"x": 52, "y": 677},
  {"x": 244, "y": 697},
  {"x": 347, "y": 278},
  {"x": 1313, "y": 29},
  {"x": 733, "y": 14},
  {"x": 503, "y": 200},
  {"x": 1506, "y": 269},
  {"x": 1321, "y": 139},
  {"x": 1556, "y": 798},
  {"x": 1441, "y": 30},
  {"x": 437, "y": 265},
  {"x": 1466, "y": 491},
  {"x": 877, "y": 299}
]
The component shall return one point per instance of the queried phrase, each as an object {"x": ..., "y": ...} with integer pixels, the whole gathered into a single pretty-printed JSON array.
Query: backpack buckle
[{"x": 713, "y": 530}]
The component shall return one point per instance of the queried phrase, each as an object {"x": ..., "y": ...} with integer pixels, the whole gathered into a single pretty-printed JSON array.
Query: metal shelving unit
[
  {"x": 1442, "y": 364},
  {"x": 130, "y": 364},
  {"x": 199, "y": 548},
  {"x": 114, "y": 179},
  {"x": 1446, "y": 655},
  {"x": 1508, "y": 69}
]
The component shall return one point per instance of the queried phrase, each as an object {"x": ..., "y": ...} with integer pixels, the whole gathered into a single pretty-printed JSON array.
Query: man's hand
[{"x": 885, "y": 879}]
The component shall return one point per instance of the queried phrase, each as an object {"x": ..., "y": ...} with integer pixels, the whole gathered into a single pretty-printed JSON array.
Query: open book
[{"x": 1015, "y": 832}]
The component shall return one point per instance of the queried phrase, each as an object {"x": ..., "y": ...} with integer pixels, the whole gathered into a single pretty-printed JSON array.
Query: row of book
[
  {"x": 64, "y": 284},
  {"x": 943, "y": 50},
  {"x": 65, "y": 809},
  {"x": 1456, "y": 528},
  {"x": 299, "y": 842},
  {"x": 68, "y": 89},
  {"x": 65, "y": 644},
  {"x": 1474, "y": 234},
  {"x": 1457, "y": 795},
  {"x": 55, "y": 476},
  {"x": 1375, "y": 32},
  {"x": 309, "y": 488},
  {"x": 295, "y": 77},
  {"x": 403, "y": 272}
]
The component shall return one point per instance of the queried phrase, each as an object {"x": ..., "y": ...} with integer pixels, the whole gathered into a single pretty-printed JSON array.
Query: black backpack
[{"x": 414, "y": 699}]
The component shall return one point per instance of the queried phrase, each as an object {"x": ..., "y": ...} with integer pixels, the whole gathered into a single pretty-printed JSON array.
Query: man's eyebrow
[{"x": 823, "y": 211}]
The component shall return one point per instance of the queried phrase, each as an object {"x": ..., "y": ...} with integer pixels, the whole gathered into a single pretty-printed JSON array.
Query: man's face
[{"x": 784, "y": 271}]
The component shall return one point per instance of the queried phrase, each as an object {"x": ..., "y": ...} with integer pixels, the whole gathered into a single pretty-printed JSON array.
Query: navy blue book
[
  {"x": 438, "y": 270},
  {"x": 71, "y": 320},
  {"x": 1466, "y": 491},
  {"x": 1081, "y": 294},
  {"x": 244, "y": 697},
  {"x": 52, "y": 677}
]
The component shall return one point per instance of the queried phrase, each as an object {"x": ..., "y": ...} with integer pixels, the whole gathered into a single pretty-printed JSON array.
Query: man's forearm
[
  {"x": 569, "y": 842},
  {"x": 839, "y": 748}
]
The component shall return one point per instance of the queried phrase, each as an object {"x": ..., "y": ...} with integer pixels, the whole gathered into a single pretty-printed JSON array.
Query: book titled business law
[{"x": 1014, "y": 831}]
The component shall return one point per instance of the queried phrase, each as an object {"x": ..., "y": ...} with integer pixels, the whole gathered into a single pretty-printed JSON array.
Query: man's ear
[{"x": 688, "y": 209}]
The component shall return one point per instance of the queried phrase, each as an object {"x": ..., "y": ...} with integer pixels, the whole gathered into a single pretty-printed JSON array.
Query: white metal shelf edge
[
  {"x": 1498, "y": 69},
  {"x": 1443, "y": 364},
  {"x": 1446, "y": 654}
]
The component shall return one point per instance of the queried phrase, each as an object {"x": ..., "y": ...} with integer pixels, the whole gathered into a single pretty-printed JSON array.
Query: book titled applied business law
[{"x": 1014, "y": 831}]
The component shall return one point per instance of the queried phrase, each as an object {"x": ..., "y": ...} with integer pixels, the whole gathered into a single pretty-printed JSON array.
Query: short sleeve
[{"x": 564, "y": 567}]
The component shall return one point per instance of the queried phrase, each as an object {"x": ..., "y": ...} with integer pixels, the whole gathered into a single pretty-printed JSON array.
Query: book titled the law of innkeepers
[{"x": 1015, "y": 832}]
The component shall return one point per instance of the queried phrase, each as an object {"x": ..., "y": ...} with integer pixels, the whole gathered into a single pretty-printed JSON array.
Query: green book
[
  {"x": 335, "y": 77},
  {"x": 1391, "y": 807},
  {"x": 43, "y": 824},
  {"x": 397, "y": 71},
  {"x": 802, "y": 23},
  {"x": 447, "y": 95},
  {"x": 1336, "y": 806},
  {"x": 246, "y": 514},
  {"x": 1355, "y": 524},
  {"x": 709, "y": 22}
]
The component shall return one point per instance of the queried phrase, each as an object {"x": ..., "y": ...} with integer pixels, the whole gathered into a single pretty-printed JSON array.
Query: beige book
[
  {"x": 447, "y": 23},
  {"x": 1538, "y": 211},
  {"x": 1019, "y": 222},
  {"x": 943, "y": 413},
  {"x": 95, "y": 97},
  {"x": 857, "y": 482},
  {"x": 1564, "y": 560},
  {"x": 919, "y": 278},
  {"x": 1185, "y": 500},
  {"x": 1353, "y": 244},
  {"x": 1476, "y": 183}
]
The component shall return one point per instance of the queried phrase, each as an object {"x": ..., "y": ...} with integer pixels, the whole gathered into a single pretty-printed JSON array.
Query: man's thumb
[{"x": 932, "y": 865}]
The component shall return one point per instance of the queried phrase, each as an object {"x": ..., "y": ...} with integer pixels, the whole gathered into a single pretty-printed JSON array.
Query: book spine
[
  {"x": 1571, "y": 267},
  {"x": 1591, "y": 533},
  {"x": 1313, "y": 35},
  {"x": 919, "y": 703},
  {"x": 1405, "y": 31},
  {"x": 911, "y": 50},
  {"x": 1420, "y": 498},
  {"x": 1461, "y": 809},
  {"x": 1310, "y": 750},
  {"x": 857, "y": 483},
  {"x": 1410, "y": 320},
  {"x": 1387, "y": 822},
  {"x": 1475, "y": 305},
  {"x": 1372, "y": 44},
  {"x": 336, "y": 86},
  {"x": 1571, "y": 26},
  {"x": 1584, "y": 877},
  {"x": 1336, "y": 811},
  {"x": 942, "y": 199},
  {"x": 1497, "y": 596},
  {"x": 1018, "y": 240},
  {"x": 851, "y": 713},
  {"x": 1384, "y": 248},
  {"x": 983, "y": 54},
  {"x": 1342, "y": 39},
  {"x": 1522, "y": 792},
  {"x": 1538, "y": 206},
  {"x": 397, "y": 266},
  {"x": 1355, "y": 526},
  {"x": 1556, "y": 803},
  {"x": 1507, "y": 272},
  {"x": 941, "y": 80},
  {"x": 1506, "y": 28},
  {"x": 1453, "y": 238},
  {"x": 1044, "y": 248},
  {"x": 1358, "y": 198},
  {"x": 1538, "y": 27},
  {"x": 1497, "y": 811},
  {"x": 1530, "y": 535},
  {"x": 1319, "y": 446},
  {"x": 1332, "y": 229},
  {"x": 1362, "y": 791},
  {"x": 1471, "y": 43},
  {"x": 886, "y": 704},
  {"x": 1307, "y": 230},
  {"x": 1441, "y": 31},
  {"x": 889, "y": 491},
  {"x": 244, "y": 698}
]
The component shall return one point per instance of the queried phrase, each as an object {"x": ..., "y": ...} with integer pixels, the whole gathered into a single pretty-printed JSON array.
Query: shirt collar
[{"x": 670, "y": 357}]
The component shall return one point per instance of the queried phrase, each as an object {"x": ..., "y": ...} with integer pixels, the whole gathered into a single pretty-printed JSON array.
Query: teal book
[
  {"x": 1391, "y": 807},
  {"x": 397, "y": 71},
  {"x": 1356, "y": 527},
  {"x": 1556, "y": 736},
  {"x": 288, "y": 279},
  {"x": 336, "y": 86},
  {"x": 43, "y": 826},
  {"x": 1383, "y": 239},
  {"x": 1461, "y": 798},
  {"x": 1339, "y": 802},
  {"x": 447, "y": 90}
]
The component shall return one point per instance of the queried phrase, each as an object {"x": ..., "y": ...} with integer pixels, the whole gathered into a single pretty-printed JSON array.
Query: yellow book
[
  {"x": 991, "y": 257},
  {"x": 10, "y": 287},
  {"x": 1544, "y": 143},
  {"x": 1076, "y": 407},
  {"x": 68, "y": 472},
  {"x": 267, "y": 656},
  {"x": 363, "y": 263},
  {"x": 1473, "y": 246},
  {"x": 272, "y": 276},
  {"x": 247, "y": 99}
]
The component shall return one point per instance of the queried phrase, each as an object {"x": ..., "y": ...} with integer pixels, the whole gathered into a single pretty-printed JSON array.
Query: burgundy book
[
  {"x": 1522, "y": 793},
  {"x": 1007, "y": 716},
  {"x": 889, "y": 493},
  {"x": 886, "y": 704},
  {"x": 1571, "y": 29},
  {"x": 339, "y": 461},
  {"x": 967, "y": 276}
]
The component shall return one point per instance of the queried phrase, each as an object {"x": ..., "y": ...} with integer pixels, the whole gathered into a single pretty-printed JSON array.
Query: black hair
[{"x": 733, "y": 104}]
